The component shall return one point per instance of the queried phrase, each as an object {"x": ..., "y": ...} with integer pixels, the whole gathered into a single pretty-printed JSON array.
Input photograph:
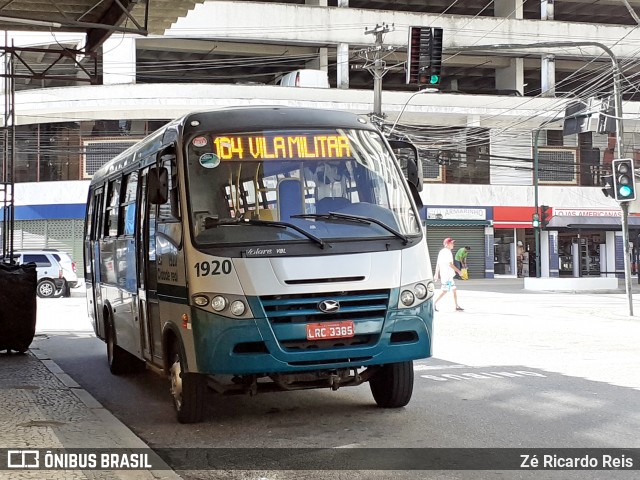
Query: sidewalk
[
  {"x": 42, "y": 407},
  {"x": 516, "y": 285}
]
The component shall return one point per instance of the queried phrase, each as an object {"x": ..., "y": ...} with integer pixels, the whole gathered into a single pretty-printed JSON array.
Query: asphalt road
[{"x": 514, "y": 370}]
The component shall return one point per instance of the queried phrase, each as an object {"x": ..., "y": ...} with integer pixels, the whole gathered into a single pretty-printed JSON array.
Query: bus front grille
[
  {"x": 307, "y": 308},
  {"x": 364, "y": 307}
]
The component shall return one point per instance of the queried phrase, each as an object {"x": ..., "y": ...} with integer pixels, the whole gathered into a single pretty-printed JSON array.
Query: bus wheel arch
[
  {"x": 392, "y": 384},
  {"x": 188, "y": 390}
]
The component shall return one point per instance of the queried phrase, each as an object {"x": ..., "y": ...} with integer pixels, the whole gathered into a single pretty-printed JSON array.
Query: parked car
[
  {"x": 56, "y": 271},
  {"x": 305, "y": 78}
]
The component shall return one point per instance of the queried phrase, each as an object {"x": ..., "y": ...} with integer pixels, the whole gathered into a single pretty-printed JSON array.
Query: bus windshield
[{"x": 309, "y": 184}]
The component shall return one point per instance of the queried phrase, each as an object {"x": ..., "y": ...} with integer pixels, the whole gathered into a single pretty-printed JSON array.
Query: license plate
[{"x": 329, "y": 330}]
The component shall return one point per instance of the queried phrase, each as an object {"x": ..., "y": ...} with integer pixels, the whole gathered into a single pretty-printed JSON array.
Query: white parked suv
[{"x": 56, "y": 271}]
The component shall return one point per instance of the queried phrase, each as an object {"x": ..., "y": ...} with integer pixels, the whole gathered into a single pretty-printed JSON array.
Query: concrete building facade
[{"x": 477, "y": 134}]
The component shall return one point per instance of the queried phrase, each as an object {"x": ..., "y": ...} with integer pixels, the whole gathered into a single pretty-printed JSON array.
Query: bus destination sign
[{"x": 282, "y": 147}]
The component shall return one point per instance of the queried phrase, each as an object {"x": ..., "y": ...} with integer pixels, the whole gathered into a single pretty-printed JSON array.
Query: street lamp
[{"x": 424, "y": 90}]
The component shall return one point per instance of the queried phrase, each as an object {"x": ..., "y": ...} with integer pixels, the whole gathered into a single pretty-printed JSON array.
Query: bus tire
[
  {"x": 120, "y": 361},
  {"x": 392, "y": 385},
  {"x": 188, "y": 390}
]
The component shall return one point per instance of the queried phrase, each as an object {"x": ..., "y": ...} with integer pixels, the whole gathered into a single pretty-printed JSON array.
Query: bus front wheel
[
  {"x": 392, "y": 385},
  {"x": 187, "y": 389}
]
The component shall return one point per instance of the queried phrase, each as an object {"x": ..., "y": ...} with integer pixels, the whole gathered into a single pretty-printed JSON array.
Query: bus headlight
[
  {"x": 225, "y": 304},
  {"x": 237, "y": 308},
  {"x": 420, "y": 291},
  {"x": 416, "y": 293},
  {"x": 201, "y": 300},
  {"x": 219, "y": 303},
  {"x": 407, "y": 298}
]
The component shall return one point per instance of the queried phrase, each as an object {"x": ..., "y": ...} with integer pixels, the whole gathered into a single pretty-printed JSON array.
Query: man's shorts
[{"x": 448, "y": 285}]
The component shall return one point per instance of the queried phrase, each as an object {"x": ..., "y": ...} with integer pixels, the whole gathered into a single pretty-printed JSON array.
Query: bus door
[
  {"x": 95, "y": 262},
  {"x": 148, "y": 307}
]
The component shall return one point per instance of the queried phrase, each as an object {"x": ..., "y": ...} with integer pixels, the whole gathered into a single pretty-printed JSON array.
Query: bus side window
[
  {"x": 128, "y": 205},
  {"x": 111, "y": 216}
]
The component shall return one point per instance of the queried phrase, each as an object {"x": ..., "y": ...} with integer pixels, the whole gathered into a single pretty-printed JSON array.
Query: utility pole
[{"x": 379, "y": 67}]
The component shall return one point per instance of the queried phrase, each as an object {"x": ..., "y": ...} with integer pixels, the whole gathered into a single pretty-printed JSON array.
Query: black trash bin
[{"x": 17, "y": 306}]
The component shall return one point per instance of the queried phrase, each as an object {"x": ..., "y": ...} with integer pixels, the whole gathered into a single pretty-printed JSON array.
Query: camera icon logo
[{"x": 23, "y": 459}]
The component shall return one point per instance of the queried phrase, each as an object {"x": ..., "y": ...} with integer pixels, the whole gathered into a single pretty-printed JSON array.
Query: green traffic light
[
  {"x": 434, "y": 79},
  {"x": 625, "y": 191}
]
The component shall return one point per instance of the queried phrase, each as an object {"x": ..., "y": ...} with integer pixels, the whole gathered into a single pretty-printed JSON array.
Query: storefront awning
[{"x": 600, "y": 223}]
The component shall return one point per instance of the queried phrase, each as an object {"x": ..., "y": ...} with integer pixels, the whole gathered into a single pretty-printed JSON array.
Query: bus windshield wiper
[
  {"x": 354, "y": 218},
  {"x": 266, "y": 223}
]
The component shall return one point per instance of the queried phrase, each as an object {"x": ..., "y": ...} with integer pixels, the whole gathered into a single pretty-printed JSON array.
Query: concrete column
[
  {"x": 546, "y": 9},
  {"x": 511, "y": 77},
  {"x": 544, "y": 254},
  {"x": 3, "y": 69},
  {"x": 489, "y": 254},
  {"x": 610, "y": 240},
  {"x": 322, "y": 62},
  {"x": 552, "y": 252},
  {"x": 548, "y": 74},
  {"x": 548, "y": 66},
  {"x": 508, "y": 8},
  {"x": 119, "y": 60},
  {"x": 342, "y": 59}
]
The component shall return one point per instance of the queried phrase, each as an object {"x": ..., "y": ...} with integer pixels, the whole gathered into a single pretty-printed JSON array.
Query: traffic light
[
  {"x": 535, "y": 220},
  {"x": 624, "y": 185},
  {"x": 424, "y": 56},
  {"x": 545, "y": 215},
  {"x": 607, "y": 186}
]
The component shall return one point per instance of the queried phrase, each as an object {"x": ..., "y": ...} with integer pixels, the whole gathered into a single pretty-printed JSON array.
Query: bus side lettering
[{"x": 215, "y": 267}]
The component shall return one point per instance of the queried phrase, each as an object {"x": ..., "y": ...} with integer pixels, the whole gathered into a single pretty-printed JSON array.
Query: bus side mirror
[
  {"x": 407, "y": 155},
  {"x": 158, "y": 186}
]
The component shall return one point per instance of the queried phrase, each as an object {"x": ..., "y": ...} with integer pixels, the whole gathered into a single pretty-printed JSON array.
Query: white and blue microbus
[{"x": 259, "y": 249}]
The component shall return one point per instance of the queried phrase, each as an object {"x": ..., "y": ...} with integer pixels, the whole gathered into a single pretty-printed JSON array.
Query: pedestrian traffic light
[
  {"x": 624, "y": 185},
  {"x": 424, "y": 56},
  {"x": 535, "y": 220},
  {"x": 607, "y": 186},
  {"x": 545, "y": 215}
]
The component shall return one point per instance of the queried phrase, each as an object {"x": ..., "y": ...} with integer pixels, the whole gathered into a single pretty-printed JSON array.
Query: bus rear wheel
[
  {"x": 120, "y": 361},
  {"x": 392, "y": 385},
  {"x": 187, "y": 389}
]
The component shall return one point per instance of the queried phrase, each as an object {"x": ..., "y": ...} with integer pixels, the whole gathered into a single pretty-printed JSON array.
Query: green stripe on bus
[{"x": 173, "y": 293}]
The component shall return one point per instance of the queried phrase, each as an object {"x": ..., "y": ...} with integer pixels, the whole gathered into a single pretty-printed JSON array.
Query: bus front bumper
[{"x": 226, "y": 346}]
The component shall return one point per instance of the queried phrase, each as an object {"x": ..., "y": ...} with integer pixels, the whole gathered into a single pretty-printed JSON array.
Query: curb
[{"x": 129, "y": 439}]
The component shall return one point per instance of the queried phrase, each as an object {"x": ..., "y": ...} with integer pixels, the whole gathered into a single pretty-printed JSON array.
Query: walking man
[{"x": 445, "y": 271}]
